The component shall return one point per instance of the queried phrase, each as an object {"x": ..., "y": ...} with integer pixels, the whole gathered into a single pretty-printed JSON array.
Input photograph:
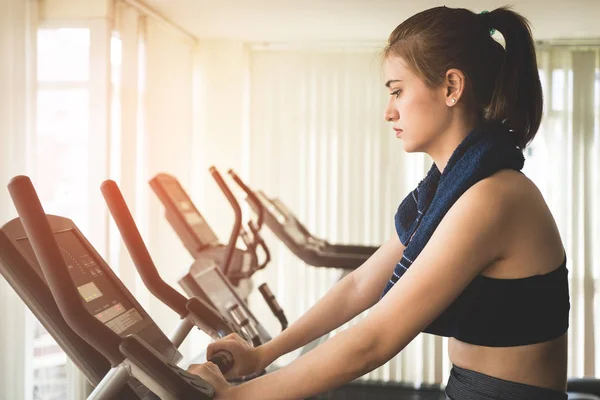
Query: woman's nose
[{"x": 390, "y": 114}]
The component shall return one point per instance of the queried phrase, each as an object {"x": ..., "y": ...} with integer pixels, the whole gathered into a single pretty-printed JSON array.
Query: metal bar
[
  {"x": 181, "y": 331},
  {"x": 112, "y": 383}
]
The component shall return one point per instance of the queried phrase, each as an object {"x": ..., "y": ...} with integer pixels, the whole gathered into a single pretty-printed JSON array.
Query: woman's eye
[{"x": 396, "y": 93}]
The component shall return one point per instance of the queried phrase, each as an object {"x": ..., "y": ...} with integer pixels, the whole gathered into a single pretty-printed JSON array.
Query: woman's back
[{"x": 534, "y": 247}]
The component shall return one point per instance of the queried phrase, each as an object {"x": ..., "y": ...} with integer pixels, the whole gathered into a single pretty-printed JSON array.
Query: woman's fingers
[
  {"x": 222, "y": 344},
  {"x": 211, "y": 374}
]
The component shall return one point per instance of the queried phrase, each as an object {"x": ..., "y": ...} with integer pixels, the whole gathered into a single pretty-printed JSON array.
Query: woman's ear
[{"x": 454, "y": 86}]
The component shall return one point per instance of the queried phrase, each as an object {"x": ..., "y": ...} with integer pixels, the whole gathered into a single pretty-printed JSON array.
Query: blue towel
[{"x": 487, "y": 149}]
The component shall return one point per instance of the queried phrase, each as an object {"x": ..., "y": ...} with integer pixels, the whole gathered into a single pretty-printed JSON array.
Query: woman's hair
[{"x": 503, "y": 83}]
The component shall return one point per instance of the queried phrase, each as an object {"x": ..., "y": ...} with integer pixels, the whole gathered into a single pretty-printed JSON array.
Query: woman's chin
[{"x": 409, "y": 147}]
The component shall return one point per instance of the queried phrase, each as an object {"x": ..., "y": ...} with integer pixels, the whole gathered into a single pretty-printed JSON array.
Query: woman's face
[{"x": 419, "y": 114}]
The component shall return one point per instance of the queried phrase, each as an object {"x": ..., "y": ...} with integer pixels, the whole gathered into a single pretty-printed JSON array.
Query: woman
[{"x": 482, "y": 260}]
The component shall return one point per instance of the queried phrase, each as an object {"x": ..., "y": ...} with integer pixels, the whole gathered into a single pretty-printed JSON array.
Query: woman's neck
[{"x": 457, "y": 131}]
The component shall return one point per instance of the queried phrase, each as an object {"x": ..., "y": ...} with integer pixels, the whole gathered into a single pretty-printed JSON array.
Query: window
[{"x": 61, "y": 169}]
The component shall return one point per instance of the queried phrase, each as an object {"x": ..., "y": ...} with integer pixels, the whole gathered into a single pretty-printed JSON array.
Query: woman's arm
[
  {"x": 467, "y": 240},
  {"x": 349, "y": 297}
]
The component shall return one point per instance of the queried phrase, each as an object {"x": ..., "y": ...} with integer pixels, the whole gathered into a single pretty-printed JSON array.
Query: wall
[
  {"x": 69, "y": 10},
  {"x": 220, "y": 134}
]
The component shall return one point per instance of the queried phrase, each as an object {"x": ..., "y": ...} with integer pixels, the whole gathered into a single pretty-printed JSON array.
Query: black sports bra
[{"x": 508, "y": 312}]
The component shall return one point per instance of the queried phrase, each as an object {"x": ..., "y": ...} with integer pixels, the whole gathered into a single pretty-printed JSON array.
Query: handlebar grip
[{"x": 222, "y": 359}]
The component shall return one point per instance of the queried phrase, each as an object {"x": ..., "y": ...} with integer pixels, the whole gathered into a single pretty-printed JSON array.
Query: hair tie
[{"x": 492, "y": 30}]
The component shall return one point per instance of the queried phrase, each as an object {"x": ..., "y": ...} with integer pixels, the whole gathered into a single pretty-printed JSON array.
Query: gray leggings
[{"x": 465, "y": 384}]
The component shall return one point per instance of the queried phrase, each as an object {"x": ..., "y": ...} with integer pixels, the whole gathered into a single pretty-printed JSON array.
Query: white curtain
[
  {"x": 319, "y": 142},
  {"x": 564, "y": 161}
]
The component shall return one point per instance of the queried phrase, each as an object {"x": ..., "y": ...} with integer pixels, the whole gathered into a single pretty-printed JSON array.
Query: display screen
[
  {"x": 217, "y": 290},
  {"x": 289, "y": 225},
  {"x": 189, "y": 213},
  {"x": 282, "y": 208},
  {"x": 89, "y": 292},
  {"x": 102, "y": 297},
  {"x": 266, "y": 202}
]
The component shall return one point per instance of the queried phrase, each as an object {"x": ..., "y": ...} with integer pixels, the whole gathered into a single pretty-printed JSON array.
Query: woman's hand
[
  {"x": 247, "y": 360},
  {"x": 213, "y": 376}
]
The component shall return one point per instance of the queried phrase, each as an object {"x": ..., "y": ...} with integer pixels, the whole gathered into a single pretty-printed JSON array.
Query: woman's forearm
[
  {"x": 352, "y": 295},
  {"x": 337, "y": 307},
  {"x": 315, "y": 372}
]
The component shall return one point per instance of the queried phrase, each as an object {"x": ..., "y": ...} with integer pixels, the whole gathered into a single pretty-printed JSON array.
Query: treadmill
[
  {"x": 231, "y": 264},
  {"x": 87, "y": 309},
  {"x": 216, "y": 294},
  {"x": 20, "y": 268},
  {"x": 310, "y": 249},
  {"x": 201, "y": 241},
  {"x": 323, "y": 244}
]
